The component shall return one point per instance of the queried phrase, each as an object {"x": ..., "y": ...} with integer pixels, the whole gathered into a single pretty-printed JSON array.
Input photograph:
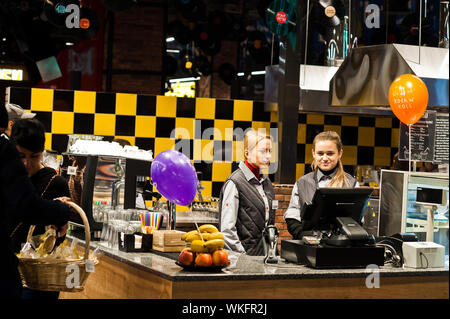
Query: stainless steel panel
[
  {"x": 366, "y": 74},
  {"x": 391, "y": 194}
]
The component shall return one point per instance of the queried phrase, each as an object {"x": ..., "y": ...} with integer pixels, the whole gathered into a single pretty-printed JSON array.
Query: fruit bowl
[{"x": 201, "y": 268}]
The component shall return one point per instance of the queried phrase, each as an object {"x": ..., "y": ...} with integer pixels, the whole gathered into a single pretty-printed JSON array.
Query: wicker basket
[{"x": 51, "y": 274}]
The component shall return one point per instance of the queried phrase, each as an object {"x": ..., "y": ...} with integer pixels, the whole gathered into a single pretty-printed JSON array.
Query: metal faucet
[
  {"x": 115, "y": 196},
  {"x": 333, "y": 50}
]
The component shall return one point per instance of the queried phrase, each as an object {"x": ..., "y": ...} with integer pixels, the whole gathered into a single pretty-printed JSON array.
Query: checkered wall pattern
[{"x": 147, "y": 121}]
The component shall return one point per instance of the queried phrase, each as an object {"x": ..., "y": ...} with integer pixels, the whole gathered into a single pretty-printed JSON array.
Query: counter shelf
[{"x": 150, "y": 275}]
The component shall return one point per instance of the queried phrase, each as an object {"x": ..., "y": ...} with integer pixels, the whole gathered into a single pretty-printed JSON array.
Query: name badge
[{"x": 275, "y": 204}]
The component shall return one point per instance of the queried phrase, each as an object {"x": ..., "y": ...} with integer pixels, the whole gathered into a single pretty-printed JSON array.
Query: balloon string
[
  {"x": 409, "y": 157},
  {"x": 195, "y": 222}
]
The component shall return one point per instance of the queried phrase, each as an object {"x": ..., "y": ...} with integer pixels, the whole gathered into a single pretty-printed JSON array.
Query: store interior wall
[{"x": 148, "y": 120}]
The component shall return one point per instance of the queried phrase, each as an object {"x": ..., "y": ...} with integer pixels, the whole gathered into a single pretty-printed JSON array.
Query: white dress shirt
[{"x": 294, "y": 208}]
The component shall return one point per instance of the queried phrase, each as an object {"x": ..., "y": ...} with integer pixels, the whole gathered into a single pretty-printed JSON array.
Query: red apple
[
  {"x": 203, "y": 260},
  {"x": 220, "y": 258},
  {"x": 186, "y": 257}
]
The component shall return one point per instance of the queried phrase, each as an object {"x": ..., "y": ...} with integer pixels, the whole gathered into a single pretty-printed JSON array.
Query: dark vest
[
  {"x": 306, "y": 187},
  {"x": 251, "y": 212}
]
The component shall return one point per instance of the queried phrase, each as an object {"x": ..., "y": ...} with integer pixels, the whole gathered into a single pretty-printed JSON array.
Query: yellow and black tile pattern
[{"x": 203, "y": 127}]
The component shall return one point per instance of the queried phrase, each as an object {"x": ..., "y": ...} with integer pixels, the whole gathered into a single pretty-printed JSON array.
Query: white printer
[{"x": 423, "y": 254}]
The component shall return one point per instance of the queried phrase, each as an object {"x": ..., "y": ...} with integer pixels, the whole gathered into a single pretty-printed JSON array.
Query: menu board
[
  {"x": 441, "y": 139},
  {"x": 422, "y": 139}
]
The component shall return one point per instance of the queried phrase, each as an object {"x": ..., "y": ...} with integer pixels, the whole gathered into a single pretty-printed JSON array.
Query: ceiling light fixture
[{"x": 184, "y": 79}]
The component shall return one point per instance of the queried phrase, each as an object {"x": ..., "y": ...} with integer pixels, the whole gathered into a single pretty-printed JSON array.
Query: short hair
[
  {"x": 253, "y": 137},
  {"x": 29, "y": 134}
]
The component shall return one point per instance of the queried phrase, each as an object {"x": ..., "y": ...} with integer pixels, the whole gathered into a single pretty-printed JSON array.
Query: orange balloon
[{"x": 408, "y": 98}]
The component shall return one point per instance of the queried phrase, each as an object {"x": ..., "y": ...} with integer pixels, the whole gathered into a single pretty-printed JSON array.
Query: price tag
[
  {"x": 89, "y": 265},
  {"x": 137, "y": 242},
  {"x": 71, "y": 170}
]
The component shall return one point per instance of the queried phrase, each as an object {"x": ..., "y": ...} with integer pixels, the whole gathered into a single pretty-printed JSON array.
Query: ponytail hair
[
  {"x": 253, "y": 137},
  {"x": 339, "y": 180}
]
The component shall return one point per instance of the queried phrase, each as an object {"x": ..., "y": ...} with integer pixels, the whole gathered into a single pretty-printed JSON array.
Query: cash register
[{"x": 332, "y": 234}]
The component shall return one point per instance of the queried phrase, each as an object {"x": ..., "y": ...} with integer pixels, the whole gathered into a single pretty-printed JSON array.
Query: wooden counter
[{"x": 147, "y": 275}]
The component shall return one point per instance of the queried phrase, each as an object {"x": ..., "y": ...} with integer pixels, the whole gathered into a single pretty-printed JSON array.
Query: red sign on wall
[{"x": 281, "y": 17}]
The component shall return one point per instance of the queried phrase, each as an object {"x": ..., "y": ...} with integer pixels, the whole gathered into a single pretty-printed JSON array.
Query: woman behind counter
[
  {"x": 245, "y": 206},
  {"x": 327, "y": 172}
]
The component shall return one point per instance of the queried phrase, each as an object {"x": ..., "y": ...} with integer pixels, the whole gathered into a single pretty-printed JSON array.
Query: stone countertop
[{"x": 243, "y": 267}]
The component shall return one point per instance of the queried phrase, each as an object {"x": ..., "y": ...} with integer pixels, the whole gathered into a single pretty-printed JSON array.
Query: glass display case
[
  {"x": 400, "y": 212},
  {"x": 98, "y": 182},
  {"x": 202, "y": 211}
]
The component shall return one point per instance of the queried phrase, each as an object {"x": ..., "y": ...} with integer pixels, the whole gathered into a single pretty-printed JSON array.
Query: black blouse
[{"x": 56, "y": 188}]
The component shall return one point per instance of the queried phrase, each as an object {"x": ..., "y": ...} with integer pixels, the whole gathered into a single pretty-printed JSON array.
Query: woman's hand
[
  {"x": 63, "y": 199},
  {"x": 62, "y": 230}
]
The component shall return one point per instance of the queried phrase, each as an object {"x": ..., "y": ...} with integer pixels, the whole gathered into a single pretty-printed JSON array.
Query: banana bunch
[{"x": 208, "y": 239}]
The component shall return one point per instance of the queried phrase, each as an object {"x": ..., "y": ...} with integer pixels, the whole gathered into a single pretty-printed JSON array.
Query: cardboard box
[{"x": 168, "y": 240}]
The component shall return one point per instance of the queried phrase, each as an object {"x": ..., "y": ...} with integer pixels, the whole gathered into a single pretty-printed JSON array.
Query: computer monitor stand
[{"x": 430, "y": 221}]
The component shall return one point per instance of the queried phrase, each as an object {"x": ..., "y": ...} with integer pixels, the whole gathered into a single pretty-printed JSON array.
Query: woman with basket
[
  {"x": 19, "y": 201},
  {"x": 29, "y": 137}
]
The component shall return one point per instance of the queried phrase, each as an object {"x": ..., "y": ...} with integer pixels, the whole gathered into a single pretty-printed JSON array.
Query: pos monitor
[{"x": 328, "y": 204}]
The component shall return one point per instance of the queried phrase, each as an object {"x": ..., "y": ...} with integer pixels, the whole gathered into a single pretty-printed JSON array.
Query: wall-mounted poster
[
  {"x": 441, "y": 139},
  {"x": 422, "y": 139}
]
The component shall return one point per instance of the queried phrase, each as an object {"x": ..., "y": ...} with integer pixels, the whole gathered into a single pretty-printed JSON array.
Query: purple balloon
[{"x": 174, "y": 177}]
